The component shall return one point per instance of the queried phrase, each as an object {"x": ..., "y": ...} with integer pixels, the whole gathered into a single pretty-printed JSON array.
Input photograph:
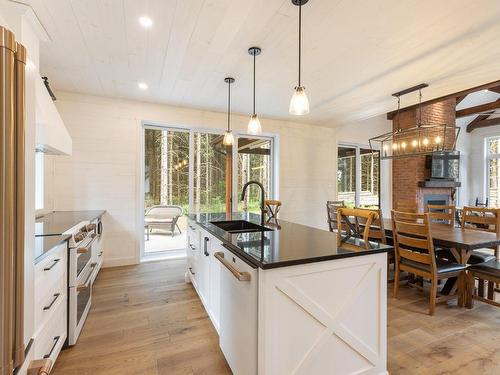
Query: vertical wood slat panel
[
  {"x": 7, "y": 206},
  {"x": 20, "y": 65}
]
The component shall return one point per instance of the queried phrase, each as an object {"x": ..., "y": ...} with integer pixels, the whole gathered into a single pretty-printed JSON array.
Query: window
[
  {"x": 39, "y": 181},
  {"x": 493, "y": 170},
  {"x": 358, "y": 176}
]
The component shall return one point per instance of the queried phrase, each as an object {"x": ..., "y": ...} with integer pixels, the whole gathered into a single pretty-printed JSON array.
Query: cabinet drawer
[
  {"x": 51, "y": 338},
  {"x": 50, "y": 270},
  {"x": 46, "y": 304}
]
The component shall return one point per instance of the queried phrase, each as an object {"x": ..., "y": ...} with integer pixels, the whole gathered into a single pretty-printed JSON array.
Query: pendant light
[
  {"x": 228, "y": 135},
  {"x": 299, "y": 105},
  {"x": 254, "y": 126}
]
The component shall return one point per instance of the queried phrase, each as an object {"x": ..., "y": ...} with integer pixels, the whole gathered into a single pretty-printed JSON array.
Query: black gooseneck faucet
[{"x": 262, "y": 198}]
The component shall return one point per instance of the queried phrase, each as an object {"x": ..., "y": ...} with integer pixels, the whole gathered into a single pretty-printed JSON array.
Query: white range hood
[{"x": 52, "y": 137}]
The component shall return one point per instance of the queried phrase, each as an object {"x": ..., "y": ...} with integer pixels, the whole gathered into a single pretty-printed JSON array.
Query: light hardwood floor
[{"x": 146, "y": 320}]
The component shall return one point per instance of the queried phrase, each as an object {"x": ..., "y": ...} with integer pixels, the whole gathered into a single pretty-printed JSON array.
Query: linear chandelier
[{"x": 421, "y": 139}]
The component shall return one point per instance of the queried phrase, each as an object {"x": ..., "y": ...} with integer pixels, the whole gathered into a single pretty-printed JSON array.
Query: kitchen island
[{"x": 286, "y": 300}]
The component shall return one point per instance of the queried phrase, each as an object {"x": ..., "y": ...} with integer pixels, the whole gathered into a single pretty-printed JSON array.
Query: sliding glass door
[
  {"x": 253, "y": 163},
  {"x": 358, "y": 176},
  {"x": 191, "y": 171}
]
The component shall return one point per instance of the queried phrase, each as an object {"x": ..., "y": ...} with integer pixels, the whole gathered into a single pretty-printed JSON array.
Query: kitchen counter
[
  {"x": 263, "y": 290},
  {"x": 44, "y": 245},
  {"x": 286, "y": 245},
  {"x": 58, "y": 222}
]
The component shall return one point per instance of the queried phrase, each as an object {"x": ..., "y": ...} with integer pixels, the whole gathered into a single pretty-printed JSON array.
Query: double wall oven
[{"x": 84, "y": 262}]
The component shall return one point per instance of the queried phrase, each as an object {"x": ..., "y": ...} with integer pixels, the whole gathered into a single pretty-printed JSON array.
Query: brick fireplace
[{"x": 408, "y": 172}]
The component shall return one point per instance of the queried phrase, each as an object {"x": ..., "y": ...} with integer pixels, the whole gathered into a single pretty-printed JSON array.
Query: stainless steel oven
[{"x": 80, "y": 279}]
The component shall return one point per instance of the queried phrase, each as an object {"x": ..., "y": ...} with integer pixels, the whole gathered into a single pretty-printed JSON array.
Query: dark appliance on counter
[{"x": 444, "y": 165}]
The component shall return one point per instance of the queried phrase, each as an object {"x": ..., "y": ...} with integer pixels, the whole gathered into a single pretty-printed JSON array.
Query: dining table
[{"x": 460, "y": 241}]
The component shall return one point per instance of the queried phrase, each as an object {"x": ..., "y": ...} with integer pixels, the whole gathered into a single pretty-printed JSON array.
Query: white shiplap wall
[{"x": 104, "y": 171}]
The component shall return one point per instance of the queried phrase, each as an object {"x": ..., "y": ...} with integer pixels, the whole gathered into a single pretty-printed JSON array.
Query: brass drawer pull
[
  {"x": 82, "y": 250},
  {"x": 52, "y": 265},
  {"x": 241, "y": 276},
  {"x": 49, "y": 306},
  {"x": 56, "y": 340}
]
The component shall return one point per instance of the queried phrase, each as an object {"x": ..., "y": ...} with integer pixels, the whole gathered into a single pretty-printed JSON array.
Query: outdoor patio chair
[{"x": 162, "y": 217}]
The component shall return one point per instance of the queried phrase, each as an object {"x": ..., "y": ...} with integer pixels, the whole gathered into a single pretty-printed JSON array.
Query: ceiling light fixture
[
  {"x": 254, "y": 126},
  {"x": 424, "y": 138},
  {"x": 299, "y": 105},
  {"x": 228, "y": 135},
  {"x": 146, "y": 22},
  {"x": 143, "y": 85}
]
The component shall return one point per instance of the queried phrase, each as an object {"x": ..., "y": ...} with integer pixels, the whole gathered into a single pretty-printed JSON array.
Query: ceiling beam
[
  {"x": 487, "y": 86},
  {"x": 482, "y": 123},
  {"x": 478, "y": 109}
]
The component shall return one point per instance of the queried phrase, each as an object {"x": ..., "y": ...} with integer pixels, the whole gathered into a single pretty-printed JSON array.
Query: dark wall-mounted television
[{"x": 445, "y": 165}]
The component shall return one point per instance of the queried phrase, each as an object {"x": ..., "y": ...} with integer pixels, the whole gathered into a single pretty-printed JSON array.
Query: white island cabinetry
[{"x": 325, "y": 317}]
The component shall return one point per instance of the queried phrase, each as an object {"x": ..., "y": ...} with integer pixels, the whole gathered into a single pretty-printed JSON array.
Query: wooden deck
[{"x": 146, "y": 320}]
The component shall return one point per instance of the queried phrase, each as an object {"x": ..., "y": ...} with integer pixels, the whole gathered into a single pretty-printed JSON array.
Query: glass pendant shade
[
  {"x": 254, "y": 126},
  {"x": 228, "y": 138},
  {"x": 299, "y": 105}
]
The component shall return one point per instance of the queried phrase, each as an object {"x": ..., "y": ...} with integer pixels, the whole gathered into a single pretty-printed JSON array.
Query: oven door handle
[
  {"x": 85, "y": 285},
  {"x": 86, "y": 249}
]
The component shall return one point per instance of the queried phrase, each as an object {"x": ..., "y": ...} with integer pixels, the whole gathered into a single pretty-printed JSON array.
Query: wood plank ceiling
[{"x": 355, "y": 53}]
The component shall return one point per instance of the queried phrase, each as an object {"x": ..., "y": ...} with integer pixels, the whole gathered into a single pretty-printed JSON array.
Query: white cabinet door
[
  {"x": 204, "y": 269},
  {"x": 238, "y": 314},
  {"x": 215, "y": 270}
]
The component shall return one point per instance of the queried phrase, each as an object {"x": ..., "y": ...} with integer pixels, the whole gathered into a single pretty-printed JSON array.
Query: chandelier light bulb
[
  {"x": 438, "y": 140},
  {"x": 425, "y": 142},
  {"x": 403, "y": 145}
]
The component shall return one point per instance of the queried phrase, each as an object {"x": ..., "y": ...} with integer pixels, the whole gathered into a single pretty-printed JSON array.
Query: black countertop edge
[
  {"x": 48, "y": 244},
  {"x": 253, "y": 262}
]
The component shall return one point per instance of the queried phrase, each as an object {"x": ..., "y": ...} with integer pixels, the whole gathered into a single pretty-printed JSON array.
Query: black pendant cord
[
  {"x": 254, "y": 84},
  {"x": 229, "y": 107},
  {"x": 300, "y": 40},
  {"x": 397, "y": 113},
  {"x": 419, "y": 108}
]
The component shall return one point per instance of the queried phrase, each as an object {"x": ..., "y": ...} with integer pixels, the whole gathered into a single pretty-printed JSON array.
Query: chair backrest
[
  {"x": 406, "y": 205},
  {"x": 331, "y": 210},
  {"x": 376, "y": 230},
  {"x": 480, "y": 204},
  {"x": 412, "y": 238},
  {"x": 442, "y": 214},
  {"x": 273, "y": 207},
  {"x": 347, "y": 224},
  {"x": 164, "y": 212},
  {"x": 481, "y": 218}
]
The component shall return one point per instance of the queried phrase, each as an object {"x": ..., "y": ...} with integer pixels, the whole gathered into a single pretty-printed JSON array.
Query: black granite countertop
[
  {"x": 44, "y": 245},
  {"x": 286, "y": 245},
  {"x": 58, "y": 222}
]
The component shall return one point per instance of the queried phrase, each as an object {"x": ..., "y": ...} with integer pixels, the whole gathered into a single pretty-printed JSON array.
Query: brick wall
[{"x": 408, "y": 171}]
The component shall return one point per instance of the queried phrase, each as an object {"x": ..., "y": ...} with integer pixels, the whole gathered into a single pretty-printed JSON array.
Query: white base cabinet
[
  {"x": 51, "y": 304},
  {"x": 319, "y": 318}
]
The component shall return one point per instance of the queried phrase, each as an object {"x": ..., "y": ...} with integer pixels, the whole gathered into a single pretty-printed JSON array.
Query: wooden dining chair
[
  {"x": 406, "y": 205},
  {"x": 273, "y": 207},
  {"x": 442, "y": 214},
  {"x": 348, "y": 226},
  {"x": 482, "y": 219},
  {"x": 415, "y": 254},
  {"x": 331, "y": 210}
]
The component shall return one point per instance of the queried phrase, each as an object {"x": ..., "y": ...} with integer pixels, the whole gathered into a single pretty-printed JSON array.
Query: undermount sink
[{"x": 239, "y": 226}]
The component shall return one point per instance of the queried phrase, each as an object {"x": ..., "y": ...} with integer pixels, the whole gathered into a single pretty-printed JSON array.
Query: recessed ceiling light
[
  {"x": 143, "y": 85},
  {"x": 145, "y": 22}
]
